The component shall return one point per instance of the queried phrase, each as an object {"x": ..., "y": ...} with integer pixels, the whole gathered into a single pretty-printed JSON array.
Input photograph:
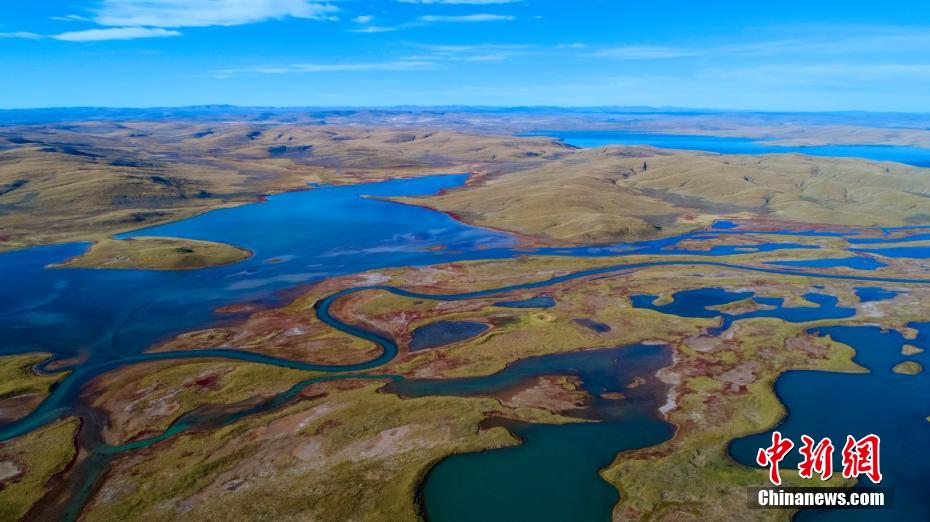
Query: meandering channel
[{"x": 56, "y": 405}]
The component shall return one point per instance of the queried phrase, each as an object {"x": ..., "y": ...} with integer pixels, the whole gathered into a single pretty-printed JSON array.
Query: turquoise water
[
  {"x": 916, "y": 156},
  {"x": 552, "y": 476}
]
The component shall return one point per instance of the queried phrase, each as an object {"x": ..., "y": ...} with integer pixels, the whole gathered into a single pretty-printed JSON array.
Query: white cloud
[
  {"x": 71, "y": 18},
  {"x": 490, "y": 57},
  {"x": 466, "y": 18},
  {"x": 22, "y": 34},
  {"x": 202, "y": 13},
  {"x": 114, "y": 33},
  {"x": 471, "y": 47},
  {"x": 375, "y": 29},
  {"x": 363, "y": 19},
  {"x": 396, "y": 65},
  {"x": 474, "y": 52}
]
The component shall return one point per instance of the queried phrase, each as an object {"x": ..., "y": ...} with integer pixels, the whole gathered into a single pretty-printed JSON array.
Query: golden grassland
[
  {"x": 29, "y": 462},
  {"x": 157, "y": 253},
  {"x": 784, "y": 130},
  {"x": 346, "y": 452},
  {"x": 88, "y": 180},
  {"x": 21, "y": 388},
  {"x": 611, "y": 194},
  {"x": 802, "y": 135}
]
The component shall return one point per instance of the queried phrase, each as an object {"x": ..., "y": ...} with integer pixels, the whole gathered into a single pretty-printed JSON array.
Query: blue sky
[{"x": 784, "y": 55}]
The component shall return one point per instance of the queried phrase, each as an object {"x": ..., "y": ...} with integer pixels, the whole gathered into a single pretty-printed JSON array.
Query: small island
[
  {"x": 908, "y": 368},
  {"x": 157, "y": 253}
]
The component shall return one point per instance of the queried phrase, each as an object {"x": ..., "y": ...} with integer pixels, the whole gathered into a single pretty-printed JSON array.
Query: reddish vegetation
[
  {"x": 204, "y": 381},
  {"x": 237, "y": 308},
  {"x": 553, "y": 393},
  {"x": 295, "y": 335}
]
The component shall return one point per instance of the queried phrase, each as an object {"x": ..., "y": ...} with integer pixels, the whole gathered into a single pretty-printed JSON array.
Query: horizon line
[{"x": 408, "y": 107}]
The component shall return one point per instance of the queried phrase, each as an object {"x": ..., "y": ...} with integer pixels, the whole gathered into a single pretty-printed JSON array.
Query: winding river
[{"x": 108, "y": 318}]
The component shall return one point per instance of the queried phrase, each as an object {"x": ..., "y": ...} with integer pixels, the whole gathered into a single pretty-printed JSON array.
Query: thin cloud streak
[
  {"x": 115, "y": 33},
  {"x": 881, "y": 40},
  {"x": 466, "y": 18},
  {"x": 397, "y": 65},
  {"x": 374, "y": 29},
  {"x": 459, "y": 2},
  {"x": 24, "y": 35},
  {"x": 203, "y": 13}
]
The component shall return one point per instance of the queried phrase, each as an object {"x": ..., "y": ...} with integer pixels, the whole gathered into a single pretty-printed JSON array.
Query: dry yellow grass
[
  {"x": 89, "y": 180},
  {"x": 604, "y": 195},
  {"x": 157, "y": 253}
]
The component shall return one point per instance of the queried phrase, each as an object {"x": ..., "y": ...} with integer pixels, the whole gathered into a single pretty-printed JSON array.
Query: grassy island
[
  {"x": 908, "y": 368},
  {"x": 157, "y": 253}
]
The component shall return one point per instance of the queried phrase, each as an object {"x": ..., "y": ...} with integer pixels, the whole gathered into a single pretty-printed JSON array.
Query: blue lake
[
  {"x": 856, "y": 262},
  {"x": 874, "y": 293},
  {"x": 552, "y": 476},
  {"x": 912, "y": 252},
  {"x": 442, "y": 333},
  {"x": 307, "y": 236},
  {"x": 891, "y": 405},
  {"x": 697, "y": 303},
  {"x": 911, "y": 155}
]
